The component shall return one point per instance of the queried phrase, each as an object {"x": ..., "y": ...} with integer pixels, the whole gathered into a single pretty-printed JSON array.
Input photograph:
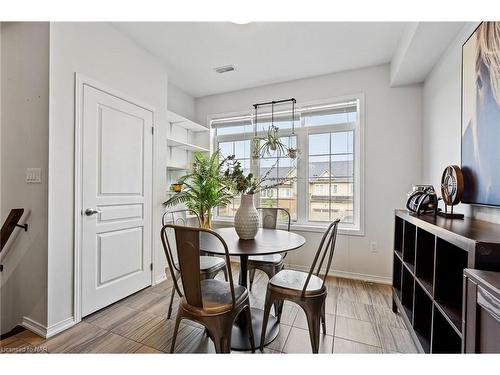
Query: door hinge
[{"x": 151, "y": 266}]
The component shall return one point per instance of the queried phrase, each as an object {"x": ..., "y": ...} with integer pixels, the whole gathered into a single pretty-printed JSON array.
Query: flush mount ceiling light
[
  {"x": 224, "y": 69},
  {"x": 241, "y": 22}
]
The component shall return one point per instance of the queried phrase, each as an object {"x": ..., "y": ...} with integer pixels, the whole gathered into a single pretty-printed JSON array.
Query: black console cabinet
[{"x": 430, "y": 255}]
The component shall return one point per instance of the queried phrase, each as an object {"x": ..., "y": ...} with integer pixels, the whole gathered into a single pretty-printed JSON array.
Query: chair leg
[
  {"x": 222, "y": 341},
  {"x": 267, "y": 310},
  {"x": 248, "y": 314},
  {"x": 278, "y": 309},
  {"x": 251, "y": 274},
  {"x": 176, "y": 329},
  {"x": 171, "y": 303},
  {"x": 225, "y": 273},
  {"x": 323, "y": 320},
  {"x": 313, "y": 315}
]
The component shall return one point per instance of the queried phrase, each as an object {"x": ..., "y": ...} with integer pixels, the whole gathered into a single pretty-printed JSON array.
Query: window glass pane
[
  {"x": 226, "y": 148},
  {"x": 319, "y": 144},
  {"x": 342, "y": 142},
  {"x": 331, "y": 181},
  {"x": 242, "y": 149},
  {"x": 262, "y": 126},
  {"x": 319, "y": 166},
  {"x": 234, "y": 129},
  {"x": 330, "y": 118},
  {"x": 284, "y": 195}
]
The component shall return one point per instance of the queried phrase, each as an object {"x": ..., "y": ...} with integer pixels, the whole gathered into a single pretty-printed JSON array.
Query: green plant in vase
[
  {"x": 246, "y": 219},
  {"x": 205, "y": 187}
]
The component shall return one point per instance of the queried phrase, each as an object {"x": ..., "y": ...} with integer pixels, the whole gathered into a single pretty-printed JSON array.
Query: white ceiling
[{"x": 262, "y": 52}]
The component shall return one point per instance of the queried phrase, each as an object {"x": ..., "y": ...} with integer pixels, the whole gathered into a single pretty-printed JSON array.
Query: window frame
[{"x": 302, "y": 132}]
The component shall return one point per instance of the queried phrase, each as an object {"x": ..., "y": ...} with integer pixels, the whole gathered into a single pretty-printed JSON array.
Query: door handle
[{"x": 90, "y": 211}]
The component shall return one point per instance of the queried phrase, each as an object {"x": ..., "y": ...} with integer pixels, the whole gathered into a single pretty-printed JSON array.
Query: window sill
[{"x": 314, "y": 228}]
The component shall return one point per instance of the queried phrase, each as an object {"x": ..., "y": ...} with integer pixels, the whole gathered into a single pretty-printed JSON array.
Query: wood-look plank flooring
[{"x": 359, "y": 320}]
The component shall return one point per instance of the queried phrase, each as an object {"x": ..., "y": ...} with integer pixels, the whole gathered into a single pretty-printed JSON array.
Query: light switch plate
[{"x": 33, "y": 175}]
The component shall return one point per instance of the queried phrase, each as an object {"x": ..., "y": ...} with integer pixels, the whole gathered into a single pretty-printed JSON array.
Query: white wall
[
  {"x": 100, "y": 52},
  {"x": 442, "y": 121},
  {"x": 181, "y": 102},
  {"x": 392, "y": 152},
  {"x": 24, "y": 144}
]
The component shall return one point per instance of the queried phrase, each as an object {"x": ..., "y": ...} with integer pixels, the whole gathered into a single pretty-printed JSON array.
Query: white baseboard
[
  {"x": 45, "y": 331},
  {"x": 160, "y": 278},
  {"x": 34, "y": 326},
  {"x": 348, "y": 275},
  {"x": 343, "y": 274},
  {"x": 60, "y": 326}
]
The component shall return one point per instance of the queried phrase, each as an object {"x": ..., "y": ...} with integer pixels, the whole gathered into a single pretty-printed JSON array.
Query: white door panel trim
[{"x": 80, "y": 82}]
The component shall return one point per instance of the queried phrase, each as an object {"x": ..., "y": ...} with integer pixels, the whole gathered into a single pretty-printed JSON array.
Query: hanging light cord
[{"x": 272, "y": 114}]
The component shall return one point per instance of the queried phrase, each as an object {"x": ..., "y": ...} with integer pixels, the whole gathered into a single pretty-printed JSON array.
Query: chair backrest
[
  {"x": 269, "y": 216},
  {"x": 326, "y": 248},
  {"x": 179, "y": 217},
  {"x": 188, "y": 251},
  {"x": 175, "y": 217}
]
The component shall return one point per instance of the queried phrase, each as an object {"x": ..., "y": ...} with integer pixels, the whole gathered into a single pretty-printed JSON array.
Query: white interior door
[{"x": 116, "y": 198}]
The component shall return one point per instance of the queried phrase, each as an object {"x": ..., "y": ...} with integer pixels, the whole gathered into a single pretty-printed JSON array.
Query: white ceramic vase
[{"x": 246, "y": 219}]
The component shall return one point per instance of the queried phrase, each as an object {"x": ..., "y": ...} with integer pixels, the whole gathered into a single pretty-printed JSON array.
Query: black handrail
[{"x": 10, "y": 224}]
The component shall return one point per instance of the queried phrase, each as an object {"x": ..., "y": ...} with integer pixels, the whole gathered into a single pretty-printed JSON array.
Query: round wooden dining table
[{"x": 266, "y": 242}]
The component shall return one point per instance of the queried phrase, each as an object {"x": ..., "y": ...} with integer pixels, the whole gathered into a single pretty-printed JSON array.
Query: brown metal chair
[
  {"x": 269, "y": 264},
  {"x": 307, "y": 290},
  {"x": 210, "y": 266},
  {"x": 213, "y": 303}
]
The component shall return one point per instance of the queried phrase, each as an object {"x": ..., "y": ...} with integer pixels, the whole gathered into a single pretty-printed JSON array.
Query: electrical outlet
[
  {"x": 33, "y": 175},
  {"x": 373, "y": 247}
]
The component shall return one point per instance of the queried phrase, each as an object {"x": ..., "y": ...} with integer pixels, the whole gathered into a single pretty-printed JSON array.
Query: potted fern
[{"x": 205, "y": 187}]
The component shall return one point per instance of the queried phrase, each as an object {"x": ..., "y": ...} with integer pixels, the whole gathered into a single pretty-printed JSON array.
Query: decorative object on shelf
[
  {"x": 246, "y": 219},
  {"x": 176, "y": 187},
  {"x": 204, "y": 187},
  {"x": 422, "y": 200},
  {"x": 452, "y": 188},
  {"x": 481, "y": 115}
]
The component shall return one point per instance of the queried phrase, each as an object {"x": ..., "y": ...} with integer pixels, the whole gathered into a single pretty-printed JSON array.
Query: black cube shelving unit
[
  {"x": 430, "y": 254},
  {"x": 409, "y": 245},
  {"x": 444, "y": 338},
  {"x": 398, "y": 236},
  {"x": 448, "y": 290},
  {"x": 408, "y": 288},
  {"x": 397, "y": 274},
  {"x": 422, "y": 317},
  {"x": 424, "y": 263}
]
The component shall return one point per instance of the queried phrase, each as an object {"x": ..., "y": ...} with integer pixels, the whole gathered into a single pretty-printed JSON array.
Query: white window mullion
[{"x": 302, "y": 175}]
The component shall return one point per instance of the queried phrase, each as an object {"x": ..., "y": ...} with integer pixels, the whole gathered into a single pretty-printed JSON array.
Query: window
[
  {"x": 327, "y": 176},
  {"x": 331, "y": 170}
]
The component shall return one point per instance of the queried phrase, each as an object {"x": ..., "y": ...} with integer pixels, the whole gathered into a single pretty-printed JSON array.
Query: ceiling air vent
[{"x": 224, "y": 69}]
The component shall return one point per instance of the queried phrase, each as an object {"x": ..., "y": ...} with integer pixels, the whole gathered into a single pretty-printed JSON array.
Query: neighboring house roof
[{"x": 341, "y": 170}]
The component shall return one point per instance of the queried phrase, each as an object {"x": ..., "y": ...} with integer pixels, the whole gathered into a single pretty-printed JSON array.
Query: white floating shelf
[
  {"x": 185, "y": 146},
  {"x": 183, "y": 122}
]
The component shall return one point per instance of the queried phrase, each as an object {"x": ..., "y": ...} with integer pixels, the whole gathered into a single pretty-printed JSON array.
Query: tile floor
[{"x": 359, "y": 320}]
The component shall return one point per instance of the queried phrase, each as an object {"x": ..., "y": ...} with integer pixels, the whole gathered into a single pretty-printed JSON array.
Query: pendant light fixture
[{"x": 271, "y": 140}]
